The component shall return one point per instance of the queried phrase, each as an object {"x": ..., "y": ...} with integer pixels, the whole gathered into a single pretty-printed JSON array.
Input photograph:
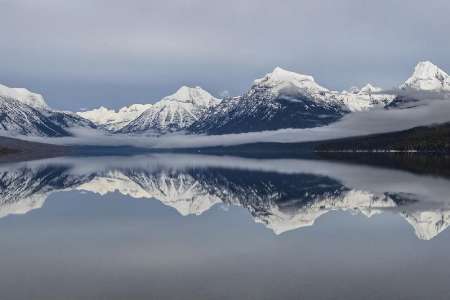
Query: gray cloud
[{"x": 87, "y": 53}]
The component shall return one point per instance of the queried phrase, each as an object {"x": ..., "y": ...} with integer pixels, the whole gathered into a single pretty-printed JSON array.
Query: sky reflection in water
[{"x": 174, "y": 227}]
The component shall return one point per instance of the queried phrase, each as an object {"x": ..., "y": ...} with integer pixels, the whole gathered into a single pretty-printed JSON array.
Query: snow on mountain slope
[
  {"x": 25, "y": 113},
  {"x": 368, "y": 88},
  {"x": 24, "y": 96},
  {"x": 366, "y": 98},
  {"x": 283, "y": 82},
  {"x": 17, "y": 118},
  {"x": 114, "y": 120},
  {"x": 427, "y": 82},
  {"x": 281, "y": 99},
  {"x": 174, "y": 112},
  {"x": 280, "y": 81},
  {"x": 427, "y": 77},
  {"x": 68, "y": 120}
]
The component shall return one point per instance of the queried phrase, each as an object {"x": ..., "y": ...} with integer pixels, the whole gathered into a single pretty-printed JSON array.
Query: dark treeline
[{"x": 435, "y": 139}]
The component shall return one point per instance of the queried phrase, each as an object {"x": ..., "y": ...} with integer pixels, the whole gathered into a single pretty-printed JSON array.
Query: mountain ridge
[
  {"x": 173, "y": 113},
  {"x": 278, "y": 100}
]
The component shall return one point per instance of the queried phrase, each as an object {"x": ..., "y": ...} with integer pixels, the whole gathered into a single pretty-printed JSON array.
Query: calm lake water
[{"x": 204, "y": 227}]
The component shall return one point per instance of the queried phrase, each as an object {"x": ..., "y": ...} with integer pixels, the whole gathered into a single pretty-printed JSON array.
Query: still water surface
[{"x": 204, "y": 227}]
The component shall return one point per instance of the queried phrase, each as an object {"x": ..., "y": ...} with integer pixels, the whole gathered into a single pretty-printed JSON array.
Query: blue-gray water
[{"x": 203, "y": 227}]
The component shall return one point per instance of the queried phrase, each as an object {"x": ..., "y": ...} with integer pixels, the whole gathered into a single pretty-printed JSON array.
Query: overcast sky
[{"x": 81, "y": 54}]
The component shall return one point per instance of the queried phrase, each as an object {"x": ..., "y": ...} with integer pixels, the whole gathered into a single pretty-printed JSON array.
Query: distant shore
[
  {"x": 12, "y": 150},
  {"x": 429, "y": 140}
]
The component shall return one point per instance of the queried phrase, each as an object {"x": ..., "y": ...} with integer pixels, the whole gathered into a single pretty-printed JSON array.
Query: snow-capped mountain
[
  {"x": 366, "y": 98},
  {"x": 17, "y": 118},
  {"x": 175, "y": 112},
  {"x": 427, "y": 77},
  {"x": 68, "y": 120},
  {"x": 427, "y": 82},
  {"x": 284, "y": 99},
  {"x": 24, "y": 96},
  {"x": 114, "y": 120},
  {"x": 281, "y": 81},
  {"x": 281, "y": 99},
  {"x": 25, "y": 113}
]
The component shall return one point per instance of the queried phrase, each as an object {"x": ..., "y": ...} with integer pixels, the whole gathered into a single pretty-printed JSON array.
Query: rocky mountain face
[
  {"x": 366, "y": 98},
  {"x": 25, "y": 113},
  {"x": 113, "y": 120},
  {"x": 427, "y": 82},
  {"x": 281, "y": 99},
  {"x": 427, "y": 77},
  {"x": 173, "y": 113},
  {"x": 24, "y": 96},
  {"x": 22, "y": 119},
  {"x": 284, "y": 99}
]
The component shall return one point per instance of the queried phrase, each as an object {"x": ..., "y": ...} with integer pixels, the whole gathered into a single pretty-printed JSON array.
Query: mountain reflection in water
[{"x": 282, "y": 194}]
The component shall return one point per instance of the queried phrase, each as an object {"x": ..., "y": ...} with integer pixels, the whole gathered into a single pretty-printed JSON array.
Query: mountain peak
[
  {"x": 195, "y": 95},
  {"x": 427, "y": 76},
  {"x": 368, "y": 88},
  {"x": 280, "y": 74},
  {"x": 24, "y": 96},
  {"x": 426, "y": 68},
  {"x": 185, "y": 92},
  {"x": 278, "y": 71},
  {"x": 173, "y": 112},
  {"x": 113, "y": 119},
  {"x": 280, "y": 78}
]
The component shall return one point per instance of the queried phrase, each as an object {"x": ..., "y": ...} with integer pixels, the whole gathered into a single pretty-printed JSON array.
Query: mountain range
[{"x": 280, "y": 99}]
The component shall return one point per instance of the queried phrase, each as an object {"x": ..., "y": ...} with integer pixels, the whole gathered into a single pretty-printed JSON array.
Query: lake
[{"x": 166, "y": 226}]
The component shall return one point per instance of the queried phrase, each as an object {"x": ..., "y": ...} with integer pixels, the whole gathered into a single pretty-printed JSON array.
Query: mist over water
[{"x": 187, "y": 226}]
